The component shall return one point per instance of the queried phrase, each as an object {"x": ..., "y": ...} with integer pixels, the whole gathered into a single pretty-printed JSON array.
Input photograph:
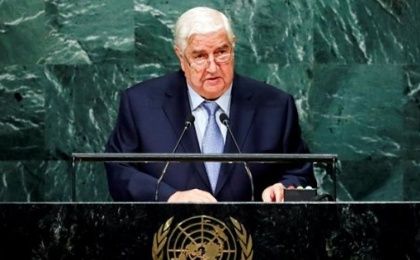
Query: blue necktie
[{"x": 212, "y": 142}]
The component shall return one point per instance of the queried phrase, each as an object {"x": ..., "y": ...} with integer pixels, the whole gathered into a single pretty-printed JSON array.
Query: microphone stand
[
  {"x": 225, "y": 120},
  {"x": 188, "y": 123}
]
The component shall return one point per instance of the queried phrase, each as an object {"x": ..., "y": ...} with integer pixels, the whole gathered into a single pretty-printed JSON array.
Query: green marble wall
[{"x": 352, "y": 65}]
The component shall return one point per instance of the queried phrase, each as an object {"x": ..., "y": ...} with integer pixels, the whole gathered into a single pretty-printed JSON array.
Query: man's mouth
[{"x": 212, "y": 79}]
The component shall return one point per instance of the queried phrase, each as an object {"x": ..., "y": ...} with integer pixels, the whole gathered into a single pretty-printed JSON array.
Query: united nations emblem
[{"x": 202, "y": 237}]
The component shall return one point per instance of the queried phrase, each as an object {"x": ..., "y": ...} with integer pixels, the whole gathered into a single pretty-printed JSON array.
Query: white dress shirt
[{"x": 201, "y": 116}]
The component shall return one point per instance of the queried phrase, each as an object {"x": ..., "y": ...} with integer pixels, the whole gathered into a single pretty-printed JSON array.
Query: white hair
[{"x": 200, "y": 20}]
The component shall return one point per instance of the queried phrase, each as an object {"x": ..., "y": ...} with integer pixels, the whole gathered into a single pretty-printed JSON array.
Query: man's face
[{"x": 208, "y": 63}]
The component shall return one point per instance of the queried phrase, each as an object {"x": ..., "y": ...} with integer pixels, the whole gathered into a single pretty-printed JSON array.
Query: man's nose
[{"x": 211, "y": 65}]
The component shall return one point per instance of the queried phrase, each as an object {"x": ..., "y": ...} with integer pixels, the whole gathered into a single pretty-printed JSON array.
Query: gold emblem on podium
[{"x": 202, "y": 237}]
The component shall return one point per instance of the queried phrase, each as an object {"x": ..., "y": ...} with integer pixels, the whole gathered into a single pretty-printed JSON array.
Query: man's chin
[{"x": 212, "y": 95}]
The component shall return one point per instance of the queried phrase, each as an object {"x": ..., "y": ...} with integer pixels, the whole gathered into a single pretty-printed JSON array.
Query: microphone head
[
  {"x": 224, "y": 118},
  {"x": 190, "y": 120}
]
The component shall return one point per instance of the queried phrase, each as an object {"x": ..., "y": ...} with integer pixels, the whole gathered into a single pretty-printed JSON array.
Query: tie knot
[{"x": 211, "y": 107}]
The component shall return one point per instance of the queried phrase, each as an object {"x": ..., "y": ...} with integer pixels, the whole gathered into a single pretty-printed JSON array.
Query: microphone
[
  {"x": 225, "y": 120},
  {"x": 188, "y": 123}
]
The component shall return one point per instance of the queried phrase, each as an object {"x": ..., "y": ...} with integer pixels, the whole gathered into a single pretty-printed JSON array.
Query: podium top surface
[{"x": 191, "y": 157}]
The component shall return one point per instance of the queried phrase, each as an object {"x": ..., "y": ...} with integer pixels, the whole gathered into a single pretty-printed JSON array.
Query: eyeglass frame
[{"x": 205, "y": 61}]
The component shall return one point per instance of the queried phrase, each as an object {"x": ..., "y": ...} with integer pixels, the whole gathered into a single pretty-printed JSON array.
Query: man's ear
[
  {"x": 177, "y": 52},
  {"x": 179, "y": 55}
]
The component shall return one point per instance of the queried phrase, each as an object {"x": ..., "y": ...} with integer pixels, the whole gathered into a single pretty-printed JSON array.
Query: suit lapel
[
  {"x": 242, "y": 111},
  {"x": 176, "y": 107}
]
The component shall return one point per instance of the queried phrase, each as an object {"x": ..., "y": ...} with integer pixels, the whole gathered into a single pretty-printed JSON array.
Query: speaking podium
[{"x": 245, "y": 230}]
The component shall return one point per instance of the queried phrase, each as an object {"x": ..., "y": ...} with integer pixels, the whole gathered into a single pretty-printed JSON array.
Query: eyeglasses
[{"x": 202, "y": 60}]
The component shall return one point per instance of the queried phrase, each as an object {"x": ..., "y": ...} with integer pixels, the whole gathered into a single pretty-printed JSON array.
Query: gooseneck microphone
[
  {"x": 225, "y": 120},
  {"x": 188, "y": 123}
]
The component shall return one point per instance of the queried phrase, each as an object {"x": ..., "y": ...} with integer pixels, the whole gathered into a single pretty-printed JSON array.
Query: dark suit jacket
[{"x": 152, "y": 115}]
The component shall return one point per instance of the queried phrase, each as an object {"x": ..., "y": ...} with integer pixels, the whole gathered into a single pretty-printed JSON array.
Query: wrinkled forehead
[{"x": 208, "y": 41}]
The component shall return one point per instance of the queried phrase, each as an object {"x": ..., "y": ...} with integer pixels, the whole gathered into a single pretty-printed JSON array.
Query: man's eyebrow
[
  {"x": 224, "y": 46},
  {"x": 199, "y": 51}
]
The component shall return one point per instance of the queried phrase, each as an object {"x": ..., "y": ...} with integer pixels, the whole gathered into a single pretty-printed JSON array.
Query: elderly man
[{"x": 153, "y": 113}]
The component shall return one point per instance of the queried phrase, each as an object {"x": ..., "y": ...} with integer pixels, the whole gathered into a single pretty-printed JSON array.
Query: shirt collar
[{"x": 223, "y": 101}]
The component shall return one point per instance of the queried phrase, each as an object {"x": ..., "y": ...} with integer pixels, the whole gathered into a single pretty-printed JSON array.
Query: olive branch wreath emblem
[
  {"x": 245, "y": 241},
  {"x": 161, "y": 236},
  {"x": 159, "y": 240}
]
